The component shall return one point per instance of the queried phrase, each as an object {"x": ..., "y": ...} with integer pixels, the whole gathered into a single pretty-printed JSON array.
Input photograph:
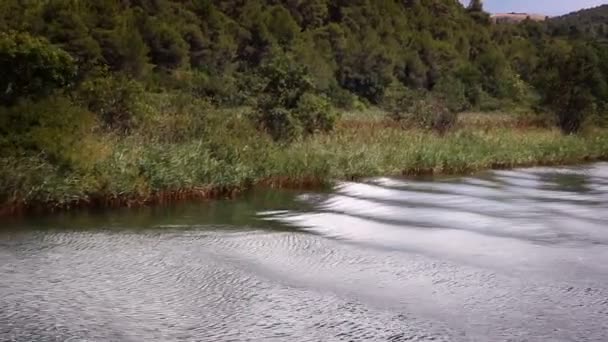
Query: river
[{"x": 516, "y": 255}]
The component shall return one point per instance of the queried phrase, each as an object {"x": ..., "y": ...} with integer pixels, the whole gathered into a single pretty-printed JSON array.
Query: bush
[
  {"x": 311, "y": 115},
  {"x": 398, "y": 100},
  {"x": 54, "y": 127},
  {"x": 341, "y": 98},
  {"x": 453, "y": 93},
  {"x": 432, "y": 113},
  {"x": 286, "y": 82},
  {"x": 425, "y": 111},
  {"x": 279, "y": 123},
  {"x": 173, "y": 117},
  {"x": 221, "y": 90},
  {"x": 31, "y": 67},
  {"x": 570, "y": 87},
  {"x": 288, "y": 107},
  {"x": 315, "y": 114},
  {"x": 533, "y": 117},
  {"x": 114, "y": 99}
]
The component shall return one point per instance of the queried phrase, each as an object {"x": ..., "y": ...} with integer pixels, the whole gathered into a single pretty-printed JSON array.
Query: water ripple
[{"x": 517, "y": 255}]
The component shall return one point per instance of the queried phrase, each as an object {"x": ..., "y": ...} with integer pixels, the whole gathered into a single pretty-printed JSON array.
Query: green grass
[{"x": 135, "y": 170}]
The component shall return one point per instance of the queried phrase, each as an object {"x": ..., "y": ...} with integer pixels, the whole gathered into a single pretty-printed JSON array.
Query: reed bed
[{"x": 137, "y": 172}]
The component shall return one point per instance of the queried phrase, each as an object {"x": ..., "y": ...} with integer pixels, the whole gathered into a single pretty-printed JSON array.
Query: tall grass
[{"x": 135, "y": 169}]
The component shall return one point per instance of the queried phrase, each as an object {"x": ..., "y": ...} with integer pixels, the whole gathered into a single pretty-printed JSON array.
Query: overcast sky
[{"x": 548, "y": 7}]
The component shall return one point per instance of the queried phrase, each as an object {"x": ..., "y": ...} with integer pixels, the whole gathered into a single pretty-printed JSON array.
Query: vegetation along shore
[{"x": 123, "y": 103}]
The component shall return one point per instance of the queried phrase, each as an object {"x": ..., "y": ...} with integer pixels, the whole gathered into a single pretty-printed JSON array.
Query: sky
[{"x": 547, "y": 7}]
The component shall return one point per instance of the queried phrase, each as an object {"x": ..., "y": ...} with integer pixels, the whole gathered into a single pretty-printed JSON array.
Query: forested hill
[
  {"x": 358, "y": 45},
  {"x": 228, "y": 52},
  {"x": 592, "y": 21}
]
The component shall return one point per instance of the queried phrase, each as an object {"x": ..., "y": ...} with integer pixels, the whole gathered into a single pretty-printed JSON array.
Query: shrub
[
  {"x": 168, "y": 50},
  {"x": 453, "y": 93},
  {"x": 54, "y": 127},
  {"x": 533, "y": 117},
  {"x": 570, "y": 86},
  {"x": 31, "y": 67},
  {"x": 222, "y": 90},
  {"x": 288, "y": 107},
  {"x": 114, "y": 99},
  {"x": 315, "y": 114},
  {"x": 341, "y": 98},
  {"x": 286, "y": 82},
  {"x": 432, "y": 113},
  {"x": 421, "y": 110},
  {"x": 279, "y": 122},
  {"x": 398, "y": 100},
  {"x": 171, "y": 117}
]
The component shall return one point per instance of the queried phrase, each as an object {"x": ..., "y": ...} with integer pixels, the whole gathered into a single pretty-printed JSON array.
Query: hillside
[{"x": 591, "y": 22}]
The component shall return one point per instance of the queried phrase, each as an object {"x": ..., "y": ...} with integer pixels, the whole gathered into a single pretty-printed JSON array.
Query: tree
[
  {"x": 476, "y": 11},
  {"x": 288, "y": 106},
  {"x": 65, "y": 24},
  {"x": 475, "y": 6},
  {"x": 31, "y": 67},
  {"x": 168, "y": 50},
  {"x": 571, "y": 87}
]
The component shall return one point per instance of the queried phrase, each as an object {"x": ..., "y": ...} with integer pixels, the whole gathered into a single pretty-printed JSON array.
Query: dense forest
[{"x": 78, "y": 76}]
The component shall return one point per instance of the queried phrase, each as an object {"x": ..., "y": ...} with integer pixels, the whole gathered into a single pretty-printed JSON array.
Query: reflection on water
[{"x": 504, "y": 256}]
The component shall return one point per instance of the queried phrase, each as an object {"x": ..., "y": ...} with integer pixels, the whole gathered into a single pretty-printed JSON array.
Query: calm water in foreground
[{"x": 506, "y": 256}]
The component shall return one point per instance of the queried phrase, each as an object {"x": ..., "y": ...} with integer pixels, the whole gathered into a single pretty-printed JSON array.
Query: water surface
[{"x": 503, "y": 256}]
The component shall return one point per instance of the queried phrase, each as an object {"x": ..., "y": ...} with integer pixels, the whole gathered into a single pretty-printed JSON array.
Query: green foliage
[
  {"x": 315, "y": 113},
  {"x": 453, "y": 93},
  {"x": 590, "y": 22},
  {"x": 432, "y": 113},
  {"x": 288, "y": 107},
  {"x": 367, "y": 74},
  {"x": 428, "y": 111},
  {"x": 398, "y": 100},
  {"x": 115, "y": 99},
  {"x": 167, "y": 48},
  {"x": 31, "y": 67},
  {"x": 54, "y": 127},
  {"x": 286, "y": 82},
  {"x": 280, "y": 123},
  {"x": 572, "y": 86}
]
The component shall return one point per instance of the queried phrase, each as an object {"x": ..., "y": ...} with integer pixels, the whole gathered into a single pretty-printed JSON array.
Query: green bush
[
  {"x": 286, "y": 82},
  {"x": 280, "y": 123},
  {"x": 315, "y": 114},
  {"x": 115, "y": 99},
  {"x": 54, "y": 127},
  {"x": 421, "y": 110},
  {"x": 173, "y": 117},
  {"x": 288, "y": 107},
  {"x": 453, "y": 93},
  {"x": 341, "y": 98},
  {"x": 31, "y": 67},
  {"x": 222, "y": 90},
  {"x": 533, "y": 117},
  {"x": 432, "y": 113},
  {"x": 570, "y": 88},
  {"x": 398, "y": 100}
]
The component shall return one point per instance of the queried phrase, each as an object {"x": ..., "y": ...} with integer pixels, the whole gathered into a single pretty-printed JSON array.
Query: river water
[{"x": 503, "y": 256}]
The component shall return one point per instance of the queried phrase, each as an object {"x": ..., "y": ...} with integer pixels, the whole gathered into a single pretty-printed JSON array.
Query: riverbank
[{"x": 134, "y": 171}]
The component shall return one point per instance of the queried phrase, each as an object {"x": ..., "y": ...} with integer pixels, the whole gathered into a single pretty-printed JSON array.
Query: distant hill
[
  {"x": 592, "y": 22},
  {"x": 517, "y": 17}
]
